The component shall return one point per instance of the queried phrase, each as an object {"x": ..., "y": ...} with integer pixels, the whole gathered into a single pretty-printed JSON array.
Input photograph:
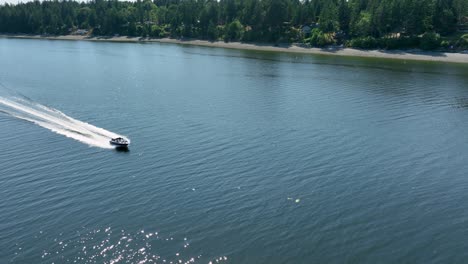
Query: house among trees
[
  {"x": 306, "y": 30},
  {"x": 81, "y": 32}
]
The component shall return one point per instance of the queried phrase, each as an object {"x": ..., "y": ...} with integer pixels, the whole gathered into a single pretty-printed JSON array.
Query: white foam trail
[{"x": 57, "y": 122}]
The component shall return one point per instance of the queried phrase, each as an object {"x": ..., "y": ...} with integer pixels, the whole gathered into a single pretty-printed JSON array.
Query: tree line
[{"x": 358, "y": 23}]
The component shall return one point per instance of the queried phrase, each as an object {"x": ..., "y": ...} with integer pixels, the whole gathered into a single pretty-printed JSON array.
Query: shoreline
[{"x": 348, "y": 52}]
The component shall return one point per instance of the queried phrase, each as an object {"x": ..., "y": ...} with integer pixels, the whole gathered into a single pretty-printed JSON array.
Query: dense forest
[{"x": 428, "y": 24}]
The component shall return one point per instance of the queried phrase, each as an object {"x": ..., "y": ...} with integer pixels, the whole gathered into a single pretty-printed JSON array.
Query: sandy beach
[{"x": 390, "y": 54}]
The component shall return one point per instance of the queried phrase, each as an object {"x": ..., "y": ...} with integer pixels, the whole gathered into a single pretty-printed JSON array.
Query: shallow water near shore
[
  {"x": 236, "y": 157},
  {"x": 410, "y": 54}
]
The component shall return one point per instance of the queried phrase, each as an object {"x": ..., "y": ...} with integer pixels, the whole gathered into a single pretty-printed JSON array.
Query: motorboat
[{"x": 119, "y": 142}]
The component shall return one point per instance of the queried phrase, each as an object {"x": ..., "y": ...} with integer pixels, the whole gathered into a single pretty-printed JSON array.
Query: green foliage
[
  {"x": 329, "y": 18},
  {"x": 445, "y": 44},
  {"x": 294, "y": 35},
  {"x": 362, "y": 26},
  {"x": 220, "y": 30},
  {"x": 234, "y": 31},
  {"x": 359, "y": 23},
  {"x": 364, "y": 43},
  {"x": 320, "y": 39},
  {"x": 212, "y": 32},
  {"x": 463, "y": 42},
  {"x": 384, "y": 43},
  {"x": 430, "y": 41},
  {"x": 444, "y": 17},
  {"x": 276, "y": 12},
  {"x": 398, "y": 43},
  {"x": 157, "y": 32}
]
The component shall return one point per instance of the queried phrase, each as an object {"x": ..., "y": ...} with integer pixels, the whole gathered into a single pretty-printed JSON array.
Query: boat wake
[{"x": 56, "y": 121}]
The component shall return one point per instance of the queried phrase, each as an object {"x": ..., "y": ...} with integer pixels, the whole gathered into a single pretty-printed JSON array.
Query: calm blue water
[{"x": 236, "y": 157}]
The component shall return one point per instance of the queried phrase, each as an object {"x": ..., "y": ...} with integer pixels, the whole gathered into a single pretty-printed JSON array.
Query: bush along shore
[{"x": 365, "y": 24}]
